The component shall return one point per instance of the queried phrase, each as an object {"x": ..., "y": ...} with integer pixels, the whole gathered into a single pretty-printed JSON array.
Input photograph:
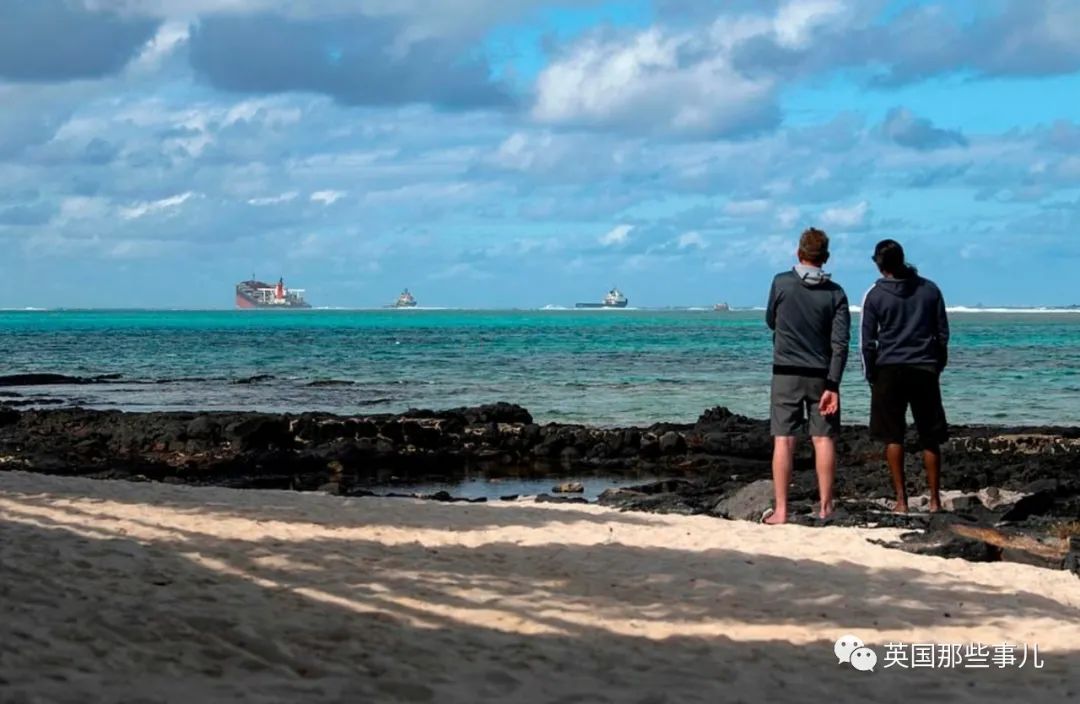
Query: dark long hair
[{"x": 889, "y": 257}]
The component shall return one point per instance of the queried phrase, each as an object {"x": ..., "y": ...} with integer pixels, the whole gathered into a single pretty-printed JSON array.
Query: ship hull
[
  {"x": 602, "y": 305},
  {"x": 244, "y": 302}
]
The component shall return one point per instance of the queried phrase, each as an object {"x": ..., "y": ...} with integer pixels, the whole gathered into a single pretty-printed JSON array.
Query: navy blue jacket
[{"x": 904, "y": 322}]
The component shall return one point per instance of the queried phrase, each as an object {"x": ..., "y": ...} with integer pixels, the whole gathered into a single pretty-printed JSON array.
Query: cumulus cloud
[
  {"x": 846, "y": 218},
  {"x": 906, "y": 129},
  {"x": 58, "y": 40},
  {"x": 617, "y": 236},
  {"x": 692, "y": 240},
  {"x": 357, "y": 60},
  {"x": 655, "y": 82}
]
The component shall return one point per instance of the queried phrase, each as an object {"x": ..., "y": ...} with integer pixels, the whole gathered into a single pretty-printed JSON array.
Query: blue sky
[{"x": 486, "y": 153}]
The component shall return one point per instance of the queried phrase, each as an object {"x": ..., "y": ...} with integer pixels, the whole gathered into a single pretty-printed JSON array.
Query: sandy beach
[{"x": 117, "y": 591}]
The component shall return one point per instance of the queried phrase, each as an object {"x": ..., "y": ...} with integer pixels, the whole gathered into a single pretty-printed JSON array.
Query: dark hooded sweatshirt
[
  {"x": 811, "y": 325},
  {"x": 904, "y": 322}
]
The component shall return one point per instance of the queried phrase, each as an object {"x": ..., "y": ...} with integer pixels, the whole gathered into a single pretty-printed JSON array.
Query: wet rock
[
  {"x": 569, "y": 455},
  {"x": 203, "y": 427},
  {"x": 509, "y": 497},
  {"x": 256, "y": 379},
  {"x": 495, "y": 413},
  {"x": 1032, "y": 505},
  {"x": 649, "y": 448},
  {"x": 330, "y": 488},
  {"x": 624, "y": 498},
  {"x": 549, "y": 499},
  {"x": 8, "y": 416},
  {"x": 259, "y": 432},
  {"x": 962, "y": 503},
  {"x": 748, "y": 503},
  {"x": 331, "y": 382},
  {"x": 672, "y": 443},
  {"x": 1072, "y": 558},
  {"x": 568, "y": 488},
  {"x": 945, "y": 544}
]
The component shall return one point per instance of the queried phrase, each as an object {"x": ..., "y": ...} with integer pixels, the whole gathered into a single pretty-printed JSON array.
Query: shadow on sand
[{"x": 92, "y": 611}]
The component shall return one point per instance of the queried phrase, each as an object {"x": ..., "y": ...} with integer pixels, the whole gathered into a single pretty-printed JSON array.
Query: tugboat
[
  {"x": 405, "y": 300},
  {"x": 613, "y": 299},
  {"x": 259, "y": 294}
]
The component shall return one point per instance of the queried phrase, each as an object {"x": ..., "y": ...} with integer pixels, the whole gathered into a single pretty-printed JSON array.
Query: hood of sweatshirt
[
  {"x": 811, "y": 275},
  {"x": 904, "y": 288}
]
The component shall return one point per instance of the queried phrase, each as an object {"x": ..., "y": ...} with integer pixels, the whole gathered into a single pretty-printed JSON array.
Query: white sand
[{"x": 113, "y": 591}]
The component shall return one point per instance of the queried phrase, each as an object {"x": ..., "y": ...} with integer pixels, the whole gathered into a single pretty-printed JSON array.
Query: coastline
[{"x": 1008, "y": 486}]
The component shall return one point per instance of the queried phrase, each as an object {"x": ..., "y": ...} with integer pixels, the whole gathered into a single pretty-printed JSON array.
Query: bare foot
[
  {"x": 826, "y": 511},
  {"x": 774, "y": 518},
  {"x": 935, "y": 507},
  {"x": 900, "y": 507}
]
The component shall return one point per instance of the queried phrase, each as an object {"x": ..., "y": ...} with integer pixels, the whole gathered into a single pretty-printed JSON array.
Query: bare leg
[
  {"x": 932, "y": 463},
  {"x": 782, "y": 461},
  {"x": 894, "y": 455},
  {"x": 825, "y": 463}
]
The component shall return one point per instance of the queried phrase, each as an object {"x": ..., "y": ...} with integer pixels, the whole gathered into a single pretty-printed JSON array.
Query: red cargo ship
[{"x": 259, "y": 294}]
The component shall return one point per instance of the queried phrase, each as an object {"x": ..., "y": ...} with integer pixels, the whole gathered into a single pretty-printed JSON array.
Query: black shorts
[{"x": 897, "y": 386}]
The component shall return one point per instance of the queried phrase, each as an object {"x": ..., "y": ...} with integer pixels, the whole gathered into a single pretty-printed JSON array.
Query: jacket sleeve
[
  {"x": 868, "y": 337},
  {"x": 841, "y": 339},
  {"x": 770, "y": 310},
  {"x": 942, "y": 333}
]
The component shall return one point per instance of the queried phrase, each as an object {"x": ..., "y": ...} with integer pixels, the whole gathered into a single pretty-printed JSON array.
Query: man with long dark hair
[
  {"x": 905, "y": 347},
  {"x": 811, "y": 324}
]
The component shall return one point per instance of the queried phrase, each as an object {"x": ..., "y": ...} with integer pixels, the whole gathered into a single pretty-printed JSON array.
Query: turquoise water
[{"x": 602, "y": 367}]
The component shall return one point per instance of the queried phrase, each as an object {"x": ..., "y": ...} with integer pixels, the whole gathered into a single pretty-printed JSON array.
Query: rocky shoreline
[{"x": 1014, "y": 493}]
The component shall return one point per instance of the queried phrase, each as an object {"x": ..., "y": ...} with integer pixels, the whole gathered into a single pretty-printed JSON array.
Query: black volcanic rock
[{"x": 717, "y": 466}]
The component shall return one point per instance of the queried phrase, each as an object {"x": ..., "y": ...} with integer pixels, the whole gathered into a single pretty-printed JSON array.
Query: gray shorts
[{"x": 794, "y": 405}]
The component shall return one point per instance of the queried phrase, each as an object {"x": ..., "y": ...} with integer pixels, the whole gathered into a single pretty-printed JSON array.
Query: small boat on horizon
[
  {"x": 722, "y": 308},
  {"x": 613, "y": 299}
]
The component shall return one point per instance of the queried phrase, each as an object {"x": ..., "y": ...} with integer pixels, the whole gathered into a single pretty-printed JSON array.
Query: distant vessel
[
  {"x": 405, "y": 300},
  {"x": 721, "y": 308},
  {"x": 613, "y": 299},
  {"x": 259, "y": 294}
]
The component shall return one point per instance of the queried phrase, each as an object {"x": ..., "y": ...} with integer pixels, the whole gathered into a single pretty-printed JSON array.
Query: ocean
[{"x": 604, "y": 367}]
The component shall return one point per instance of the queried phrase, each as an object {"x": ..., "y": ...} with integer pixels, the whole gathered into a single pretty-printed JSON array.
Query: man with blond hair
[{"x": 808, "y": 314}]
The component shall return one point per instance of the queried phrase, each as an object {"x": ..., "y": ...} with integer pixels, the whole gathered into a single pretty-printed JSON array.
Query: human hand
[{"x": 830, "y": 403}]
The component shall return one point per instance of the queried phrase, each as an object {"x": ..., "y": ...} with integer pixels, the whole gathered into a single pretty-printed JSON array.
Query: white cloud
[
  {"x": 742, "y": 208},
  {"x": 273, "y": 200},
  {"x": 170, "y": 36},
  {"x": 616, "y": 236},
  {"x": 327, "y": 197},
  {"x": 846, "y": 218},
  {"x": 788, "y": 216},
  {"x": 692, "y": 239},
  {"x": 796, "y": 20},
  {"x": 647, "y": 84},
  {"x": 144, "y": 208}
]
